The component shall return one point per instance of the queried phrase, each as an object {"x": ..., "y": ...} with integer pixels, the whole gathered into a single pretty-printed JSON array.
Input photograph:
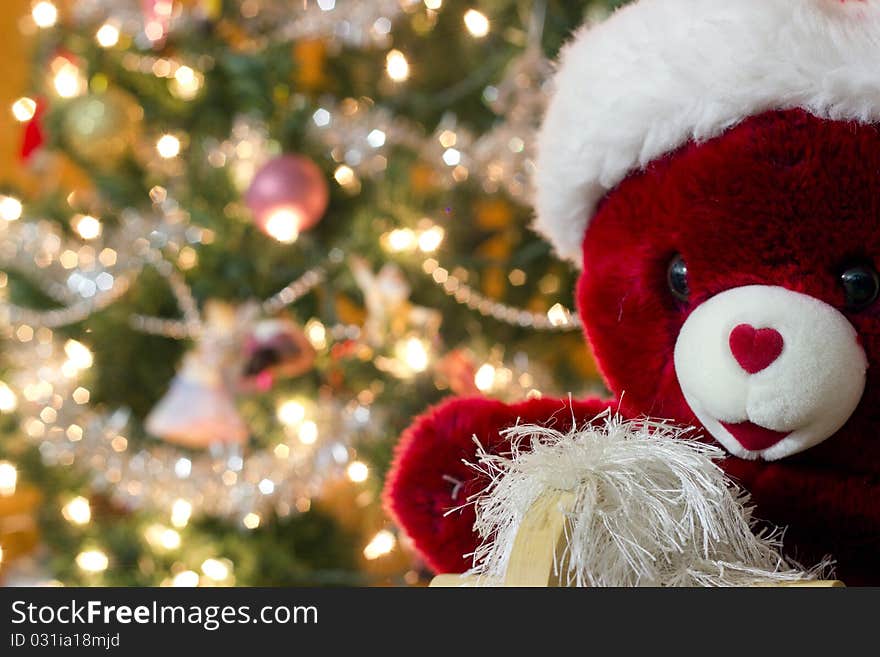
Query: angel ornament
[
  {"x": 199, "y": 408},
  {"x": 237, "y": 350}
]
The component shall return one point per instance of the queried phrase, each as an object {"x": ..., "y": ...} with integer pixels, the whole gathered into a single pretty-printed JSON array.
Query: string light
[
  {"x": 357, "y": 472},
  {"x": 77, "y": 511},
  {"x": 484, "y": 379},
  {"x": 397, "y": 66},
  {"x": 168, "y": 146},
  {"x": 399, "y": 240},
  {"x": 8, "y": 399},
  {"x": 321, "y": 117},
  {"x": 251, "y": 520},
  {"x": 183, "y": 468},
  {"x": 452, "y": 157},
  {"x": 154, "y": 29},
  {"x": 185, "y": 75},
  {"x": 45, "y": 14},
  {"x": 291, "y": 413},
  {"x": 67, "y": 78},
  {"x": 476, "y": 23},
  {"x": 80, "y": 357},
  {"x": 414, "y": 352},
  {"x": 170, "y": 539},
  {"x": 186, "y": 579},
  {"x": 376, "y": 138},
  {"x": 181, "y": 511},
  {"x": 24, "y": 333},
  {"x": 316, "y": 333},
  {"x": 346, "y": 177},
  {"x": 447, "y": 139},
  {"x": 308, "y": 433},
  {"x": 283, "y": 225},
  {"x": 434, "y": 5},
  {"x": 162, "y": 67},
  {"x": 430, "y": 239},
  {"x": 559, "y": 315},
  {"x": 8, "y": 478},
  {"x": 107, "y": 35},
  {"x": 380, "y": 545},
  {"x": 10, "y": 208},
  {"x": 186, "y": 83},
  {"x": 87, "y": 226},
  {"x": 162, "y": 537},
  {"x": 92, "y": 561},
  {"x": 499, "y": 158},
  {"x": 24, "y": 109},
  {"x": 416, "y": 355},
  {"x": 517, "y": 277},
  {"x": 215, "y": 569},
  {"x": 187, "y": 258}
]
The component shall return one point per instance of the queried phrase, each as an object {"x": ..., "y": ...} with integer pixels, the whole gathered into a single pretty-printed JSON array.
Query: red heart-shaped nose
[{"x": 755, "y": 349}]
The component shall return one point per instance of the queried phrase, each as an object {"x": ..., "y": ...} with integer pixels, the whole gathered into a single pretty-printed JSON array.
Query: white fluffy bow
[{"x": 652, "y": 508}]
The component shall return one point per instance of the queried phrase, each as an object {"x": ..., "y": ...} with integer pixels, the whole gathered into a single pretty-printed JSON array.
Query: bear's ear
[{"x": 428, "y": 488}]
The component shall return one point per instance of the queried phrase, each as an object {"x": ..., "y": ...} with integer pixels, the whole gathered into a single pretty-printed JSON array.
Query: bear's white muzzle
[{"x": 769, "y": 372}]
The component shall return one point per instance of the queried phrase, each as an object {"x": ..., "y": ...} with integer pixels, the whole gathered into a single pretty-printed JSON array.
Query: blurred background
[{"x": 243, "y": 243}]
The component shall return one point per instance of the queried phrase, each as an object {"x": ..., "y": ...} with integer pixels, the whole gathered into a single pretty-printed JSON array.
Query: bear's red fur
[
  {"x": 783, "y": 199},
  {"x": 429, "y": 483}
]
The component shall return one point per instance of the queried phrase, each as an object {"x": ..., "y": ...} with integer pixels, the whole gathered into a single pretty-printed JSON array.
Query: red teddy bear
[{"x": 714, "y": 168}]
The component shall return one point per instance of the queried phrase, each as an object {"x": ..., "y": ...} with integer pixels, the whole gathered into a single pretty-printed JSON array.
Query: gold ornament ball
[{"x": 101, "y": 128}]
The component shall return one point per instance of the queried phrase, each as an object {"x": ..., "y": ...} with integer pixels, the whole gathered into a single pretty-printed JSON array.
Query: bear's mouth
[{"x": 754, "y": 437}]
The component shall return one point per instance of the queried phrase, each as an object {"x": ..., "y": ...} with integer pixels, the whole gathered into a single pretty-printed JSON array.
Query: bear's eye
[
  {"x": 677, "y": 278},
  {"x": 861, "y": 285}
]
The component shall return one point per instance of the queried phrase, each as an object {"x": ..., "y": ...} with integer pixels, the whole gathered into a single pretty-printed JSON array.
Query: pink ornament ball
[{"x": 287, "y": 196}]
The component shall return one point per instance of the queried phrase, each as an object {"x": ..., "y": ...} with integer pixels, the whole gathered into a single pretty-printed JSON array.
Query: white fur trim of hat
[{"x": 660, "y": 73}]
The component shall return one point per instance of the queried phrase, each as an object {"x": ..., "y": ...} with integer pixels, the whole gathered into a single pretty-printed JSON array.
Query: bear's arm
[{"x": 429, "y": 484}]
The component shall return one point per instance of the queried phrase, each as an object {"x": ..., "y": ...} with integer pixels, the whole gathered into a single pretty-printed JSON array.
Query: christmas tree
[{"x": 267, "y": 235}]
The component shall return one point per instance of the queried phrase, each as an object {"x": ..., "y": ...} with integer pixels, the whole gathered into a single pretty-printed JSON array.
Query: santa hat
[{"x": 660, "y": 73}]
